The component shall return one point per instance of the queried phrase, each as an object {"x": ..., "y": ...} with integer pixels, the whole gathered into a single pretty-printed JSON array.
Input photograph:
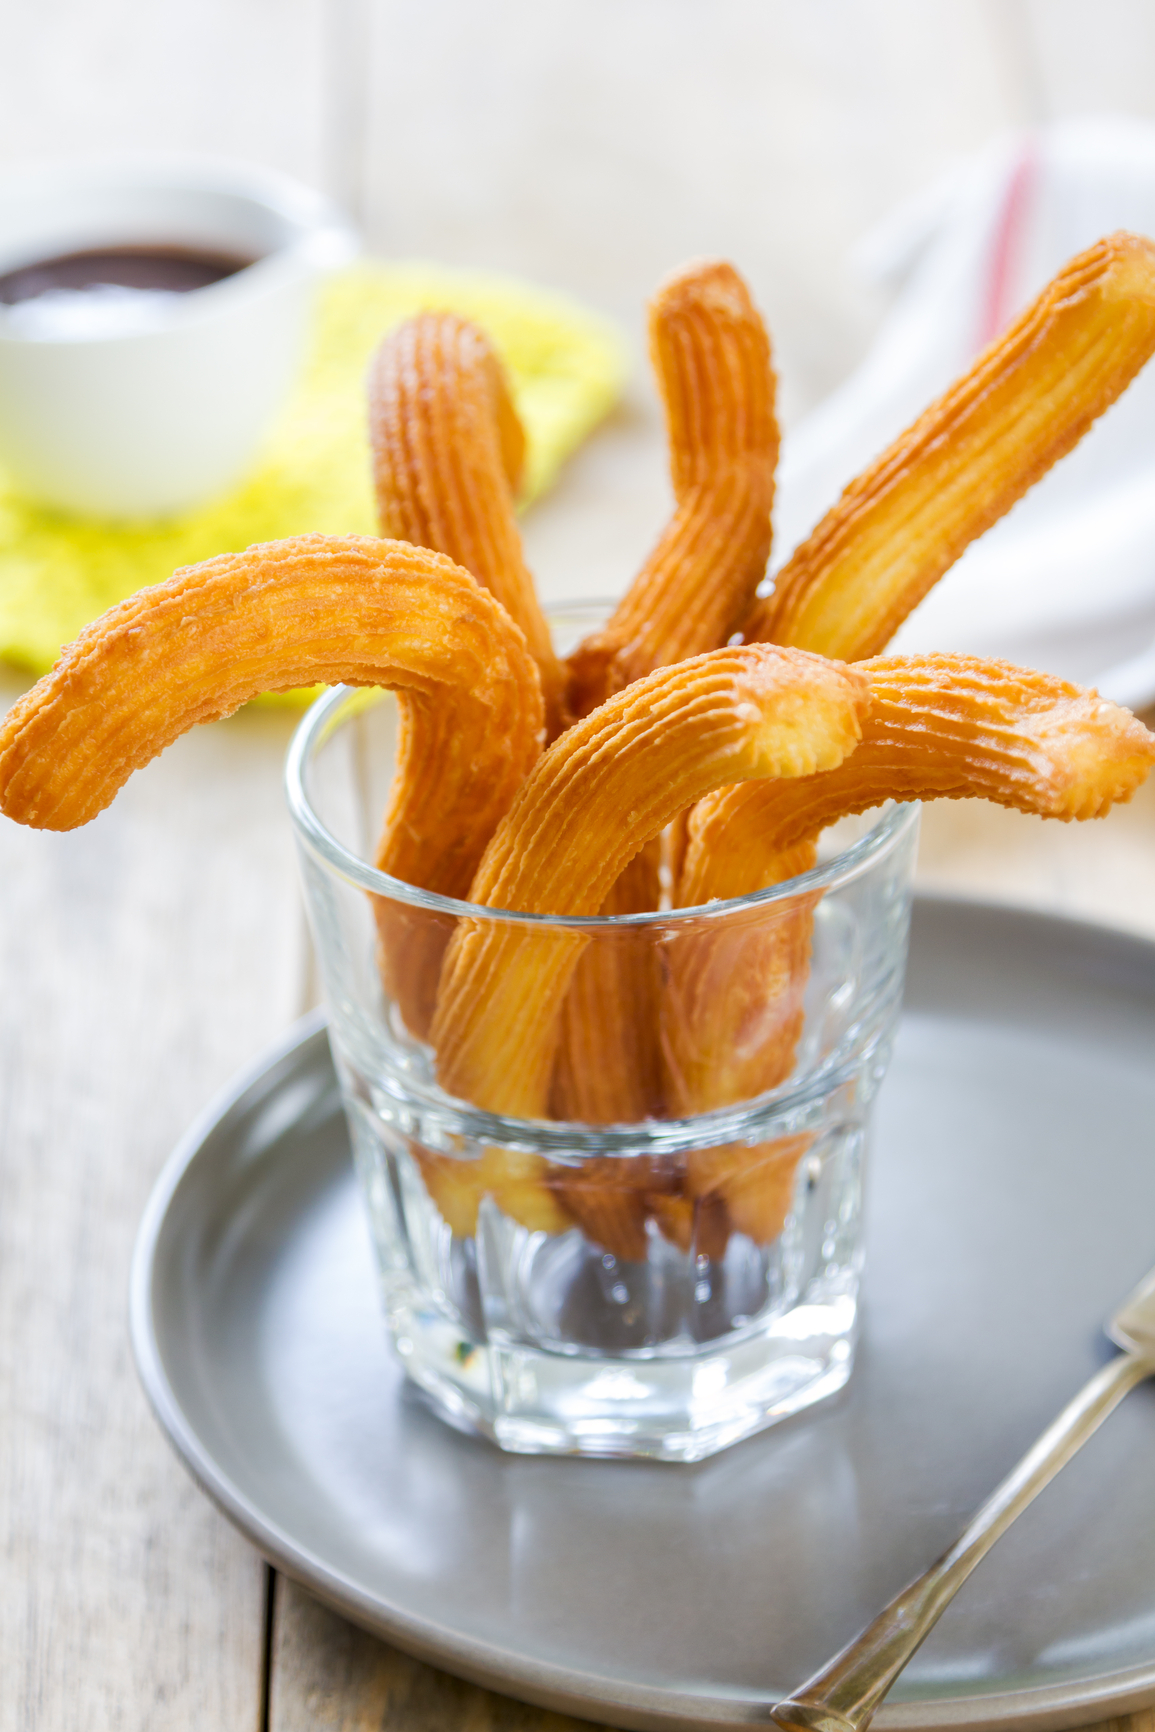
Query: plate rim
[{"x": 549, "y": 1684}]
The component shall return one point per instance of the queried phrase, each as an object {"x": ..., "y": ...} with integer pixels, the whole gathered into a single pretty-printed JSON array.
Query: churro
[
  {"x": 712, "y": 358},
  {"x": 516, "y": 1179},
  {"x": 608, "y": 1068},
  {"x": 607, "y": 1196},
  {"x": 281, "y": 615},
  {"x": 601, "y": 791},
  {"x": 939, "y": 727},
  {"x": 711, "y": 355},
  {"x": 753, "y": 1186},
  {"x": 732, "y": 1001},
  {"x": 448, "y": 450},
  {"x": 1026, "y": 401},
  {"x": 698, "y": 1226}
]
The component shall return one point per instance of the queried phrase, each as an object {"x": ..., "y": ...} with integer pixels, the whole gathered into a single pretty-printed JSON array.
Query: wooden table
[{"x": 145, "y": 958}]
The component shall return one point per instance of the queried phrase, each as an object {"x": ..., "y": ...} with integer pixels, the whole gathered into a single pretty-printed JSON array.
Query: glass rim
[{"x": 321, "y": 720}]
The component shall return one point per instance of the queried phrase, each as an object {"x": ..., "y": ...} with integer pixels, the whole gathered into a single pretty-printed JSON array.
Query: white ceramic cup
[{"x": 148, "y": 422}]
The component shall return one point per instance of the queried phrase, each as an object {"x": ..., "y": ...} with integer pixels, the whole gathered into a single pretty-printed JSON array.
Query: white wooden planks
[
  {"x": 142, "y": 960},
  {"x": 330, "y": 1677}
]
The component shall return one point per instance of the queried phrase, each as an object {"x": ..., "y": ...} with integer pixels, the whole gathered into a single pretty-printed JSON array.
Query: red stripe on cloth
[{"x": 998, "y": 300}]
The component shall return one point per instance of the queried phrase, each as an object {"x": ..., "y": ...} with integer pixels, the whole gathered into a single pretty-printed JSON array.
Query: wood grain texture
[
  {"x": 1130, "y": 1723},
  {"x": 143, "y": 959},
  {"x": 330, "y": 1677}
]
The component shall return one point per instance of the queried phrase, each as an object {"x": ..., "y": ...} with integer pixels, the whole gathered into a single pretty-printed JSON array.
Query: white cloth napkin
[{"x": 1066, "y": 581}]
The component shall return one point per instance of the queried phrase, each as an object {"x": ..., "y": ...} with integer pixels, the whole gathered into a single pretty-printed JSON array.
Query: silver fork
[{"x": 845, "y": 1695}]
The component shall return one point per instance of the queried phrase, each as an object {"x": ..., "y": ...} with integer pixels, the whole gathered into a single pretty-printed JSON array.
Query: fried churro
[
  {"x": 281, "y": 615},
  {"x": 1026, "y": 401},
  {"x": 712, "y": 358},
  {"x": 448, "y": 450},
  {"x": 939, "y": 727},
  {"x": 516, "y": 1179},
  {"x": 608, "y": 1068},
  {"x": 601, "y": 791},
  {"x": 751, "y": 1188},
  {"x": 607, "y": 1196},
  {"x": 732, "y": 1001}
]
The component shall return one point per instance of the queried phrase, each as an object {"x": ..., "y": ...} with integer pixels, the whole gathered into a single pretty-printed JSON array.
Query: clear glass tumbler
[{"x": 655, "y": 1288}]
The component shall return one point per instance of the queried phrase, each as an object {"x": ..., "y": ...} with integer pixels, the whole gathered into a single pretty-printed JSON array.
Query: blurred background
[
  {"x": 588, "y": 143},
  {"x": 591, "y": 145}
]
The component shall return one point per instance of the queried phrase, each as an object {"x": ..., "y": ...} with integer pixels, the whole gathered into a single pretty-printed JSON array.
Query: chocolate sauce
[{"x": 171, "y": 269}]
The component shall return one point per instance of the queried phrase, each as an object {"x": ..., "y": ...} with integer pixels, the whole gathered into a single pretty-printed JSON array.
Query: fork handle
[{"x": 845, "y": 1695}]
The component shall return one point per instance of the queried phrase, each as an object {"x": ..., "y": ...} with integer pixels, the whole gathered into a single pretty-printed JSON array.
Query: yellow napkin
[{"x": 565, "y": 364}]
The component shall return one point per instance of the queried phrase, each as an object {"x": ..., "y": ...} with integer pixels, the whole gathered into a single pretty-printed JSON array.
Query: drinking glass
[{"x": 656, "y": 1288}]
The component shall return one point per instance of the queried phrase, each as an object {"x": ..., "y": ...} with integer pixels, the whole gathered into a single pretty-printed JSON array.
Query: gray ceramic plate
[{"x": 1012, "y": 1205}]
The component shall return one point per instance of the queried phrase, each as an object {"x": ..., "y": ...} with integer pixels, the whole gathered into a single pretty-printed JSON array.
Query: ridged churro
[
  {"x": 516, "y": 1179},
  {"x": 607, "y": 1196},
  {"x": 754, "y": 1186},
  {"x": 698, "y": 1226},
  {"x": 732, "y": 1001},
  {"x": 281, "y": 615},
  {"x": 448, "y": 450},
  {"x": 711, "y": 355},
  {"x": 939, "y": 727},
  {"x": 608, "y": 1068},
  {"x": 1026, "y": 401},
  {"x": 601, "y": 791}
]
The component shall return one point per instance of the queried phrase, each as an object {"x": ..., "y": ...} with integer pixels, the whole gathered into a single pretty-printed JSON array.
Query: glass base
[
  {"x": 674, "y": 1407},
  {"x": 547, "y": 1343}
]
